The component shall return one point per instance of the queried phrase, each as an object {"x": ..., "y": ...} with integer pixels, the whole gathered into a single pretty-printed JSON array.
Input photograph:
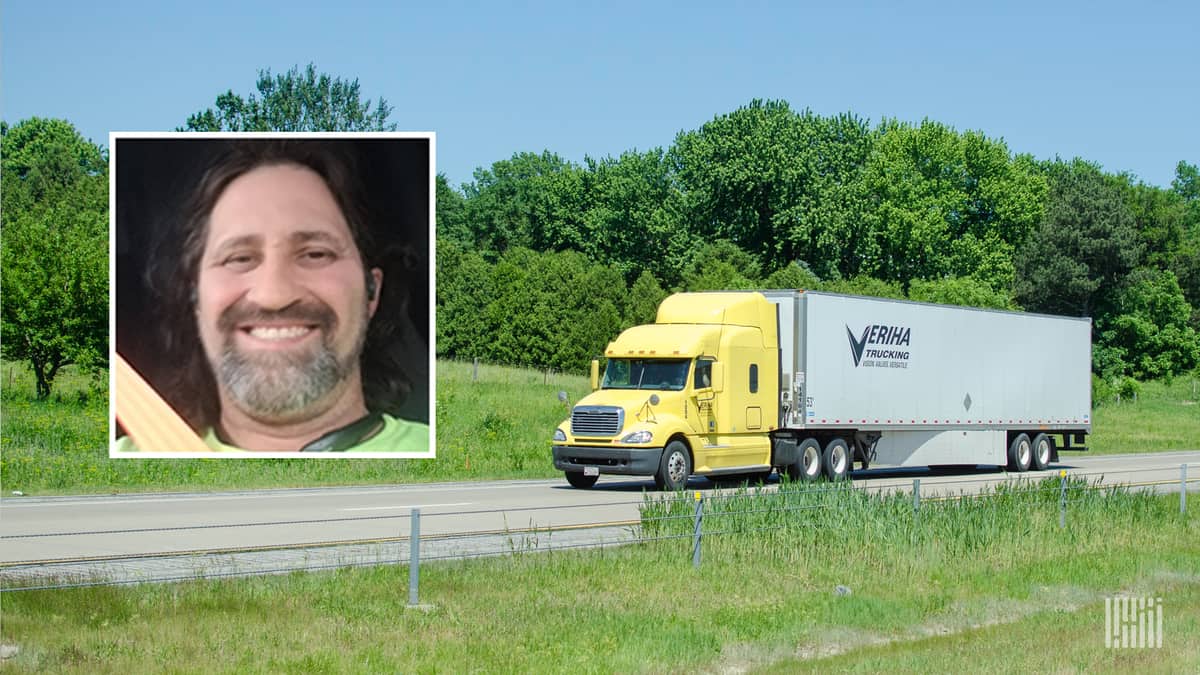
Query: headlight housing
[
  {"x": 642, "y": 436},
  {"x": 559, "y": 435}
]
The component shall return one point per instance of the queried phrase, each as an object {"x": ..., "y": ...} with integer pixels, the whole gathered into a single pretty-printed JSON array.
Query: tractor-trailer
[{"x": 738, "y": 384}]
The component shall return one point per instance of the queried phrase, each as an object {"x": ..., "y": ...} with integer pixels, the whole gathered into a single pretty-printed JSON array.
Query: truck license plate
[{"x": 591, "y": 471}]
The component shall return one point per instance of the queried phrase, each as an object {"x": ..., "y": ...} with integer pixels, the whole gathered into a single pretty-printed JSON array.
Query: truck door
[{"x": 703, "y": 398}]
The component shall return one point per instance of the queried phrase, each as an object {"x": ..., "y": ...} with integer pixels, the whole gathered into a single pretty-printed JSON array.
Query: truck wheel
[
  {"x": 1020, "y": 453},
  {"x": 675, "y": 467},
  {"x": 1043, "y": 449},
  {"x": 836, "y": 459},
  {"x": 578, "y": 480},
  {"x": 808, "y": 466}
]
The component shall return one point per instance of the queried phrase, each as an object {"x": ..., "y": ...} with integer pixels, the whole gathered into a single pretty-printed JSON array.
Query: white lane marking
[{"x": 406, "y": 506}]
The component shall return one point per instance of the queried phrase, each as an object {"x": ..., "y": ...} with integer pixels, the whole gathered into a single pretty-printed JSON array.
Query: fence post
[
  {"x": 916, "y": 496},
  {"x": 696, "y": 531},
  {"x": 1062, "y": 502},
  {"x": 1183, "y": 488},
  {"x": 475, "y": 370},
  {"x": 414, "y": 557}
]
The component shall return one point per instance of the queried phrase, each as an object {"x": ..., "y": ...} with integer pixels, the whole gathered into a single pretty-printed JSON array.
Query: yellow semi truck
[{"x": 737, "y": 384}]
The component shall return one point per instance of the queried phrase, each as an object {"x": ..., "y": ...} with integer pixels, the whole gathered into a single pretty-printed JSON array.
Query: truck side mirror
[
  {"x": 718, "y": 377},
  {"x": 595, "y": 374}
]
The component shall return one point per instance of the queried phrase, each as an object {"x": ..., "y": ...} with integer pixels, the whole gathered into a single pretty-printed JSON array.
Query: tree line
[
  {"x": 537, "y": 252},
  {"x": 541, "y": 261}
]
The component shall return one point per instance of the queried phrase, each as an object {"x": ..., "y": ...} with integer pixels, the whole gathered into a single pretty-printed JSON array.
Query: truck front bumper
[{"x": 629, "y": 462}]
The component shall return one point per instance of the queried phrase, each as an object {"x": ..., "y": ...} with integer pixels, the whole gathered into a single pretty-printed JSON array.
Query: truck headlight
[
  {"x": 638, "y": 437},
  {"x": 559, "y": 435}
]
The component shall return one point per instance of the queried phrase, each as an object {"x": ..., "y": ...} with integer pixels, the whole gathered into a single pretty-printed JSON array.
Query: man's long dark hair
[{"x": 187, "y": 382}]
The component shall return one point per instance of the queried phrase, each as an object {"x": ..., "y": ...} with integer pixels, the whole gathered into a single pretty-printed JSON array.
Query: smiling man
[{"x": 272, "y": 266}]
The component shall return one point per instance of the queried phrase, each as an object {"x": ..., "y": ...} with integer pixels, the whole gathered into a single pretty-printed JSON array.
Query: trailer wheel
[
  {"x": 675, "y": 467},
  {"x": 577, "y": 479},
  {"x": 808, "y": 464},
  {"x": 1043, "y": 450},
  {"x": 836, "y": 459},
  {"x": 1020, "y": 453}
]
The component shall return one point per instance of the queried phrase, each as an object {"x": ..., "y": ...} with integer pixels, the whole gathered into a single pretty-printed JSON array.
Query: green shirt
[{"x": 397, "y": 435}]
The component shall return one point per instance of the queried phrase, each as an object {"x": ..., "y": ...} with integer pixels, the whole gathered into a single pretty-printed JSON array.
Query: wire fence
[{"x": 691, "y": 517}]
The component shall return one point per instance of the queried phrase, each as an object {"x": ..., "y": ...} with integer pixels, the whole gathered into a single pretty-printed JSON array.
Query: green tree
[
  {"x": 466, "y": 288},
  {"x": 633, "y": 219},
  {"x": 451, "y": 213},
  {"x": 644, "y": 298},
  {"x": 553, "y": 310},
  {"x": 1086, "y": 243},
  {"x": 719, "y": 266},
  {"x": 797, "y": 276},
  {"x": 945, "y": 204},
  {"x": 864, "y": 285},
  {"x": 1186, "y": 261},
  {"x": 1149, "y": 335},
  {"x": 530, "y": 201},
  {"x": 965, "y": 291},
  {"x": 53, "y": 249},
  {"x": 295, "y": 101},
  {"x": 779, "y": 184}
]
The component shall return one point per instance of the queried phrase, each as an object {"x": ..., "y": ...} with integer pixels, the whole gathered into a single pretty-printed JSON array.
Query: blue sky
[{"x": 1117, "y": 83}]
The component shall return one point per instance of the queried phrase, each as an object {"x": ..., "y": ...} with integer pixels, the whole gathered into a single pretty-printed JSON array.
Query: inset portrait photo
[{"x": 272, "y": 294}]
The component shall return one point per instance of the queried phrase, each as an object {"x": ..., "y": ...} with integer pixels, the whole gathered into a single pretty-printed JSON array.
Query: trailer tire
[
  {"x": 577, "y": 479},
  {"x": 674, "y": 468},
  {"x": 808, "y": 461},
  {"x": 1020, "y": 453},
  {"x": 1043, "y": 451},
  {"x": 836, "y": 459}
]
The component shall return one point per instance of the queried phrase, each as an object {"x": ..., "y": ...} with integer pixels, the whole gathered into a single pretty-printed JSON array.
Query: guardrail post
[
  {"x": 916, "y": 496},
  {"x": 414, "y": 557},
  {"x": 696, "y": 532},
  {"x": 1183, "y": 488},
  {"x": 1062, "y": 501}
]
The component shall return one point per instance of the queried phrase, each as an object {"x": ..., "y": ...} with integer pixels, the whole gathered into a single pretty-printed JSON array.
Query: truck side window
[
  {"x": 753, "y": 378},
  {"x": 703, "y": 374}
]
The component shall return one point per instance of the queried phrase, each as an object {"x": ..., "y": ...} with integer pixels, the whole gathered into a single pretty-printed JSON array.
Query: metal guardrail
[{"x": 390, "y": 550}]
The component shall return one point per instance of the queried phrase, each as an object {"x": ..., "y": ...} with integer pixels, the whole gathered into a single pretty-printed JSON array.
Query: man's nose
[{"x": 275, "y": 285}]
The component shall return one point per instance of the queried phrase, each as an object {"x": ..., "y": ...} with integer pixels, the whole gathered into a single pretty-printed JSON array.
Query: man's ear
[{"x": 374, "y": 289}]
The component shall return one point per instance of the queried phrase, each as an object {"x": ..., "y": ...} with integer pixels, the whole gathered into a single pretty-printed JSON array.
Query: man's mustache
[{"x": 245, "y": 312}]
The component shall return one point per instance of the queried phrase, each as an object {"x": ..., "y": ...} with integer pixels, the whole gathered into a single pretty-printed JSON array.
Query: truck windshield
[{"x": 665, "y": 374}]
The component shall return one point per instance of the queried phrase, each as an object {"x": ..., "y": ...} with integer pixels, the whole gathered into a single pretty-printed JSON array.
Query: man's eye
[
  {"x": 239, "y": 261},
  {"x": 317, "y": 256}
]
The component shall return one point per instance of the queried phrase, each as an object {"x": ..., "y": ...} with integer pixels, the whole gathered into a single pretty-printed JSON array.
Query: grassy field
[
  {"x": 985, "y": 584},
  {"x": 493, "y": 424},
  {"x": 1163, "y": 417}
]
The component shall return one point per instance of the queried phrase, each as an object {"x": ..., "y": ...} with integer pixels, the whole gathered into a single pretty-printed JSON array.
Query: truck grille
[{"x": 596, "y": 420}]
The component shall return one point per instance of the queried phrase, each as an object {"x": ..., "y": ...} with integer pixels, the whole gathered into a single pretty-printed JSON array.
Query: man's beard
[{"x": 281, "y": 386}]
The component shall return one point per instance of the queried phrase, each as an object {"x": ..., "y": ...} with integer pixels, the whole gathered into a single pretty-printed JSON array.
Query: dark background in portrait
[{"x": 154, "y": 176}]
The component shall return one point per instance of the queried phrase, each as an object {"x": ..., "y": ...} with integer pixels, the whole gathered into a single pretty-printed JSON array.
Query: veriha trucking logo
[{"x": 866, "y": 349}]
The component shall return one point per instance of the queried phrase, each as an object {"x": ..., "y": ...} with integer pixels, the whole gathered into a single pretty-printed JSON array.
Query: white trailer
[{"x": 917, "y": 384}]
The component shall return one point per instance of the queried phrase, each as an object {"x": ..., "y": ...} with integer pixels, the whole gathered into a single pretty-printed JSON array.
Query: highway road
[{"x": 88, "y": 536}]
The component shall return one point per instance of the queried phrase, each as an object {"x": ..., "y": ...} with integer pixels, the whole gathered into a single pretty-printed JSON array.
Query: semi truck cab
[{"x": 696, "y": 392}]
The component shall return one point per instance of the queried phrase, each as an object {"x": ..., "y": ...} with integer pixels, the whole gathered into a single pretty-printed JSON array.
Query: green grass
[
  {"x": 1163, "y": 417},
  {"x": 492, "y": 425},
  {"x": 980, "y": 571},
  {"x": 1069, "y": 638},
  {"x": 495, "y": 425}
]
